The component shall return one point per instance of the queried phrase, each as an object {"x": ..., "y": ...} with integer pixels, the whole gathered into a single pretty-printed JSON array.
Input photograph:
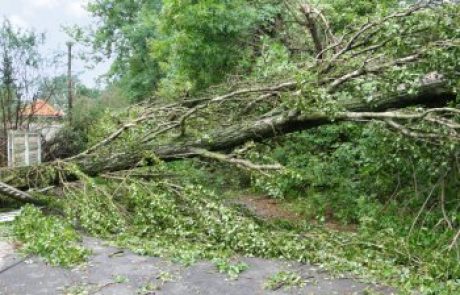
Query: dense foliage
[
  {"x": 124, "y": 31},
  {"x": 179, "y": 47}
]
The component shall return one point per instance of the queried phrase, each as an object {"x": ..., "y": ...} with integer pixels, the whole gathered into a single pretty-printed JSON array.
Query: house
[
  {"x": 43, "y": 118},
  {"x": 40, "y": 109}
]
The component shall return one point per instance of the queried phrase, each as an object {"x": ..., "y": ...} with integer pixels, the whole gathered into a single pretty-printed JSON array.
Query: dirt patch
[{"x": 267, "y": 208}]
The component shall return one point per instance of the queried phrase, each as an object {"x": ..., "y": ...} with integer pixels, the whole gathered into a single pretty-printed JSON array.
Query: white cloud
[
  {"x": 77, "y": 8},
  {"x": 18, "y": 21},
  {"x": 46, "y": 3},
  {"x": 48, "y": 16}
]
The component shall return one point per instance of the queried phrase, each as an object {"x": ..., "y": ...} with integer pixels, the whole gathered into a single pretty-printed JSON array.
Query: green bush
[{"x": 346, "y": 173}]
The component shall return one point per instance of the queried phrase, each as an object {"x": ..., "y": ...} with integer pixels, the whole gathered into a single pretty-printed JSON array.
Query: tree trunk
[
  {"x": 14, "y": 193},
  {"x": 434, "y": 93}
]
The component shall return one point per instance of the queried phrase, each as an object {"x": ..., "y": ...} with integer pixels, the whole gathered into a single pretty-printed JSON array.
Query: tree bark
[
  {"x": 433, "y": 93},
  {"x": 14, "y": 193}
]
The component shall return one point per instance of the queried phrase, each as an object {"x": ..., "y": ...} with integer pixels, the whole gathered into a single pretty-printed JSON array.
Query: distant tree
[
  {"x": 55, "y": 90},
  {"x": 177, "y": 46},
  {"x": 19, "y": 68},
  {"x": 123, "y": 30}
]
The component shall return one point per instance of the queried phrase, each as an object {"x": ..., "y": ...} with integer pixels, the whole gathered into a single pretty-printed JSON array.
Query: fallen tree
[
  {"x": 15, "y": 193},
  {"x": 392, "y": 168},
  {"x": 343, "y": 65},
  {"x": 432, "y": 93}
]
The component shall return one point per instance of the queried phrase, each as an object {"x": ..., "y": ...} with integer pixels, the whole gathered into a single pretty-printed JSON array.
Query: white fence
[{"x": 24, "y": 148}]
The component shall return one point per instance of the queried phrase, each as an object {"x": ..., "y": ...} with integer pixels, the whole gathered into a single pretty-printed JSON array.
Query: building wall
[
  {"x": 24, "y": 148},
  {"x": 47, "y": 130}
]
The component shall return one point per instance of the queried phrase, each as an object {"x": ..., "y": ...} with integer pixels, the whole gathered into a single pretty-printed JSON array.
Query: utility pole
[{"x": 69, "y": 81}]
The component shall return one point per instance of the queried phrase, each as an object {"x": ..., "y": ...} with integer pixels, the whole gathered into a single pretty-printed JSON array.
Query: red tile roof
[{"x": 41, "y": 108}]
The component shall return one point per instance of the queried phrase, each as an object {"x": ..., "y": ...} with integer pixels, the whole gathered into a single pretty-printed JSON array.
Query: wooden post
[
  {"x": 39, "y": 152},
  {"x": 10, "y": 149},
  {"x": 69, "y": 81}
]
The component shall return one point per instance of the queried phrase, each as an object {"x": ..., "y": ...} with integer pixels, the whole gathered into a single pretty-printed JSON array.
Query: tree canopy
[
  {"x": 180, "y": 47},
  {"x": 19, "y": 71}
]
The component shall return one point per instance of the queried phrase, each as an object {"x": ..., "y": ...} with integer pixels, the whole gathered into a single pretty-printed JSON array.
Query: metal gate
[{"x": 24, "y": 148}]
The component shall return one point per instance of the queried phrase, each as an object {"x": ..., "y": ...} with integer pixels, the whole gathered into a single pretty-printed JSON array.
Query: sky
[{"x": 49, "y": 16}]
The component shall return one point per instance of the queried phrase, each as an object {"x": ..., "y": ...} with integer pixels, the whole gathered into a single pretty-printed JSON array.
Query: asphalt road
[{"x": 118, "y": 272}]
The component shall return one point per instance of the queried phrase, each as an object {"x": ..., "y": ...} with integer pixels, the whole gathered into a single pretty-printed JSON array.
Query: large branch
[
  {"x": 432, "y": 93},
  {"x": 14, "y": 193}
]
